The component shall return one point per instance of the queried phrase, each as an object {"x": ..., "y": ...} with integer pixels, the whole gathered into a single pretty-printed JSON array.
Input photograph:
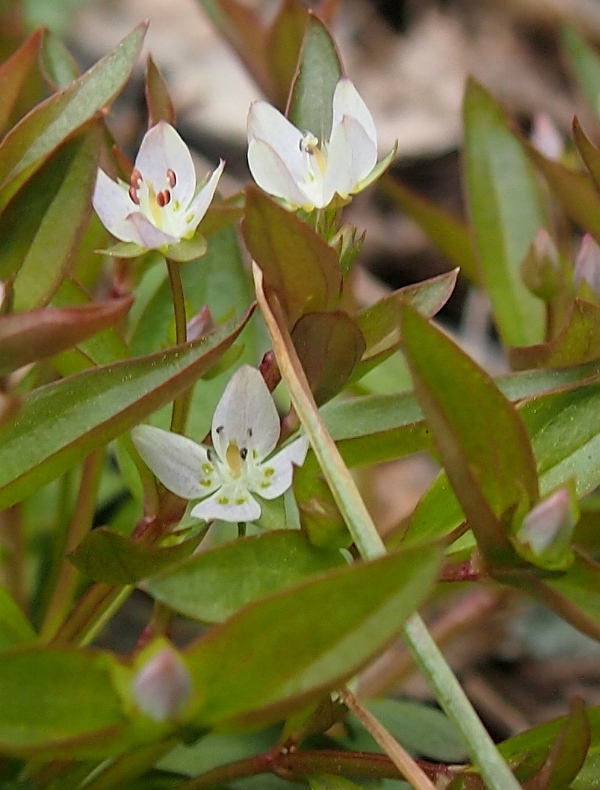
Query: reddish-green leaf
[
  {"x": 311, "y": 639},
  {"x": 329, "y": 346},
  {"x": 47, "y": 126},
  {"x": 284, "y": 42},
  {"x": 448, "y": 233},
  {"x": 578, "y": 342},
  {"x": 59, "y": 66},
  {"x": 36, "y": 334},
  {"x": 13, "y": 74},
  {"x": 158, "y": 101},
  {"x": 319, "y": 71},
  {"x": 296, "y": 262},
  {"x": 481, "y": 438},
  {"x": 62, "y": 423},
  {"x": 507, "y": 211},
  {"x": 214, "y": 585},
  {"x": 588, "y": 151}
]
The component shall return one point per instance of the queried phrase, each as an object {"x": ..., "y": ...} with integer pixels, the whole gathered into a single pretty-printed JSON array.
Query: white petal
[
  {"x": 162, "y": 149},
  {"x": 347, "y": 102},
  {"x": 351, "y": 158},
  {"x": 282, "y": 466},
  {"x": 199, "y": 205},
  {"x": 179, "y": 463},
  {"x": 268, "y": 125},
  {"x": 113, "y": 205},
  {"x": 215, "y": 507},
  {"x": 149, "y": 236},
  {"x": 272, "y": 174},
  {"x": 247, "y": 415}
]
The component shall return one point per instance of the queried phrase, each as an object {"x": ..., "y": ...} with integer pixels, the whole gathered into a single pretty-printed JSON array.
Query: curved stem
[{"x": 180, "y": 404}]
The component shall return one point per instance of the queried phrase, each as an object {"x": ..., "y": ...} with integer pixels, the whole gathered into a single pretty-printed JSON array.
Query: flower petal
[
  {"x": 351, "y": 157},
  {"x": 199, "y": 205},
  {"x": 268, "y": 125},
  {"x": 225, "y": 505},
  {"x": 348, "y": 103},
  {"x": 149, "y": 236},
  {"x": 272, "y": 174},
  {"x": 162, "y": 149},
  {"x": 276, "y": 473},
  {"x": 246, "y": 415},
  {"x": 180, "y": 464},
  {"x": 113, "y": 205}
]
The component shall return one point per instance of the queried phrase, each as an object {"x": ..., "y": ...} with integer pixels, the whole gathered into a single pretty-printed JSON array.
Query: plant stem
[
  {"x": 409, "y": 769},
  {"x": 12, "y": 540},
  {"x": 180, "y": 404},
  {"x": 430, "y": 660}
]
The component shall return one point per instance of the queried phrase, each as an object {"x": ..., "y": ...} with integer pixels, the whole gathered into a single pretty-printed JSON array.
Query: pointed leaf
[
  {"x": 61, "y": 423},
  {"x": 319, "y": 71},
  {"x": 490, "y": 471},
  {"x": 588, "y": 151},
  {"x": 448, "y": 233},
  {"x": 329, "y": 346},
  {"x": 59, "y": 66},
  {"x": 158, "y": 101},
  {"x": 568, "y": 752},
  {"x": 214, "y": 585},
  {"x": 507, "y": 211},
  {"x": 312, "y": 638},
  {"x": 29, "y": 336},
  {"x": 47, "y": 126},
  {"x": 585, "y": 63},
  {"x": 296, "y": 262},
  {"x": 283, "y": 46},
  {"x": 577, "y": 342},
  {"x": 14, "y": 73}
]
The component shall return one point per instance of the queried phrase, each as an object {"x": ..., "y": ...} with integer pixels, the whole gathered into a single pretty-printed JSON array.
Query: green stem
[
  {"x": 180, "y": 404},
  {"x": 12, "y": 539},
  {"x": 430, "y": 660},
  {"x": 83, "y": 513}
]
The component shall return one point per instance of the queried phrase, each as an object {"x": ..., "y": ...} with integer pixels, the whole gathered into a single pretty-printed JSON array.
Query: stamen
[
  {"x": 234, "y": 459},
  {"x": 163, "y": 198},
  {"x": 171, "y": 178},
  {"x": 135, "y": 179},
  {"x": 133, "y": 194}
]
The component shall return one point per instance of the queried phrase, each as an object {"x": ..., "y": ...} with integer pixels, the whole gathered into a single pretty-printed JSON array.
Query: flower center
[
  {"x": 235, "y": 458},
  {"x": 154, "y": 201},
  {"x": 310, "y": 145}
]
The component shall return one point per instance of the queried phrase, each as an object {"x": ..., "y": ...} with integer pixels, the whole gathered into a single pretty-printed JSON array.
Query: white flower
[
  {"x": 245, "y": 430},
  {"x": 160, "y": 205},
  {"x": 306, "y": 172}
]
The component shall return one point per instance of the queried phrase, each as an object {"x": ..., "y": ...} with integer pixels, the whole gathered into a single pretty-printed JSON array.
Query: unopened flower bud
[
  {"x": 587, "y": 265},
  {"x": 546, "y": 137},
  {"x": 545, "y": 532},
  {"x": 201, "y": 324},
  {"x": 163, "y": 685},
  {"x": 541, "y": 269}
]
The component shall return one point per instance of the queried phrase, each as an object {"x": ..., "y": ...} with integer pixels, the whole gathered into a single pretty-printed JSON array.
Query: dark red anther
[
  {"x": 171, "y": 178},
  {"x": 135, "y": 179},
  {"x": 163, "y": 198},
  {"x": 133, "y": 194}
]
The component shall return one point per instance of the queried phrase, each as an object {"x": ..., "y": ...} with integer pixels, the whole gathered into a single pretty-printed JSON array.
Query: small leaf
[
  {"x": 29, "y": 336},
  {"x": 312, "y": 638},
  {"x": 158, "y": 101},
  {"x": 319, "y": 71},
  {"x": 283, "y": 46},
  {"x": 59, "y": 66},
  {"x": 577, "y": 342},
  {"x": 15, "y": 628},
  {"x": 588, "y": 151},
  {"x": 585, "y": 63},
  {"x": 507, "y": 211},
  {"x": 47, "y": 126},
  {"x": 329, "y": 346},
  {"x": 296, "y": 262},
  {"x": 490, "y": 471},
  {"x": 214, "y": 585},
  {"x": 14, "y": 73},
  {"x": 448, "y": 233},
  {"x": 106, "y": 556},
  {"x": 61, "y": 423}
]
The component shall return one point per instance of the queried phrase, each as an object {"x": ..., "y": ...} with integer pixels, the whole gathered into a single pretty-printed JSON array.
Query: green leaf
[
  {"x": 568, "y": 752},
  {"x": 296, "y": 262},
  {"x": 46, "y": 127},
  {"x": 490, "y": 471},
  {"x": 214, "y": 585},
  {"x": 62, "y": 226},
  {"x": 585, "y": 62},
  {"x": 588, "y": 151},
  {"x": 158, "y": 101},
  {"x": 312, "y": 638},
  {"x": 577, "y": 342},
  {"x": 106, "y": 556},
  {"x": 329, "y": 346},
  {"x": 14, "y": 73},
  {"x": 283, "y": 46},
  {"x": 52, "y": 699},
  {"x": 61, "y": 423},
  {"x": 15, "y": 628},
  {"x": 36, "y": 334},
  {"x": 448, "y": 233},
  {"x": 507, "y": 211},
  {"x": 319, "y": 71},
  {"x": 59, "y": 66}
]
